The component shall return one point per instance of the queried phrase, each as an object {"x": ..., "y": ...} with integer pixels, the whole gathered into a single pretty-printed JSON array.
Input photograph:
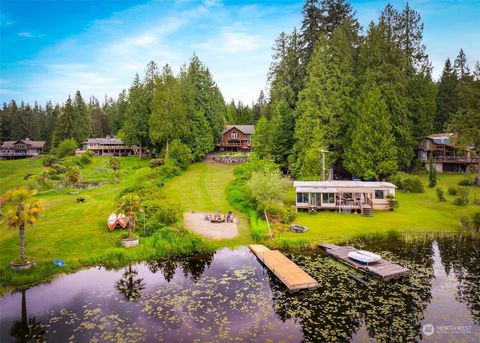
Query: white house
[{"x": 343, "y": 196}]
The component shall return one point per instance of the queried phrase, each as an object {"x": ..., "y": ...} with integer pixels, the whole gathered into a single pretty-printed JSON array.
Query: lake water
[{"x": 228, "y": 296}]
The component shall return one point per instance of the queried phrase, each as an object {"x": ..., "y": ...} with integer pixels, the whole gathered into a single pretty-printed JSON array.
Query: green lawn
[
  {"x": 77, "y": 233},
  {"x": 417, "y": 212},
  {"x": 203, "y": 188}
]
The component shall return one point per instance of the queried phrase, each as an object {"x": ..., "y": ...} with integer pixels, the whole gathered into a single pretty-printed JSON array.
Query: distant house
[
  {"x": 446, "y": 156},
  {"x": 343, "y": 196},
  {"x": 21, "y": 149},
  {"x": 108, "y": 146},
  {"x": 236, "y": 137}
]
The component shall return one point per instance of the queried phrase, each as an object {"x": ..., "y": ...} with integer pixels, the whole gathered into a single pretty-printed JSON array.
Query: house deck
[
  {"x": 383, "y": 270},
  {"x": 286, "y": 270}
]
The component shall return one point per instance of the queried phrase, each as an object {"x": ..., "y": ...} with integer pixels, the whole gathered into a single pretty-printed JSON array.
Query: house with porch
[
  {"x": 343, "y": 196},
  {"x": 108, "y": 146},
  {"x": 236, "y": 138},
  {"x": 446, "y": 156},
  {"x": 21, "y": 148}
]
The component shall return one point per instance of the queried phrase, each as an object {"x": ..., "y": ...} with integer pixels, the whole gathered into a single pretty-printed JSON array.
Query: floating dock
[
  {"x": 383, "y": 270},
  {"x": 286, "y": 270}
]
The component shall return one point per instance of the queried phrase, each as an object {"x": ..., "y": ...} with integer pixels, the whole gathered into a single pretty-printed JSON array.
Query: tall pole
[
  {"x": 323, "y": 166},
  {"x": 323, "y": 163}
]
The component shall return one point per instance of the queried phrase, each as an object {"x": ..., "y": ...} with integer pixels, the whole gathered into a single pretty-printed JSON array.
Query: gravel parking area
[{"x": 196, "y": 222}]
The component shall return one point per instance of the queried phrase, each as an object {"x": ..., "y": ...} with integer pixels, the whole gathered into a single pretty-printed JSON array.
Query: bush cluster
[
  {"x": 440, "y": 194},
  {"x": 471, "y": 223},
  {"x": 407, "y": 183},
  {"x": 66, "y": 147},
  {"x": 156, "y": 162},
  {"x": 452, "y": 191},
  {"x": 462, "y": 197},
  {"x": 467, "y": 181}
]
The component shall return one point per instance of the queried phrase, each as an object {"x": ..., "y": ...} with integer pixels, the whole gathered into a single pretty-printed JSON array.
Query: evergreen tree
[
  {"x": 381, "y": 61},
  {"x": 137, "y": 115},
  {"x": 6, "y": 120},
  {"x": 260, "y": 139},
  {"x": 446, "y": 101},
  {"x": 169, "y": 119},
  {"x": 327, "y": 97},
  {"x": 66, "y": 127},
  {"x": 280, "y": 140},
  {"x": 461, "y": 66},
  {"x": 372, "y": 152},
  {"x": 82, "y": 120}
]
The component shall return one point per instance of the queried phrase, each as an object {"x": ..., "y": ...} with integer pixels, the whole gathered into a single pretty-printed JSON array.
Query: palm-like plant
[
  {"x": 129, "y": 285},
  {"x": 21, "y": 210},
  {"x": 27, "y": 329},
  {"x": 129, "y": 205}
]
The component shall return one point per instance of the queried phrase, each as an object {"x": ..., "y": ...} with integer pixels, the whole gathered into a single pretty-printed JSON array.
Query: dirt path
[{"x": 196, "y": 222}]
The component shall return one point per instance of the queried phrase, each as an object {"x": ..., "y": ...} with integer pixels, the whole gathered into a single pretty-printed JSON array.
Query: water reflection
[
  {"x": 462, "y": 257},
  {"x": 340, "y": 307},
  {"x": 130, "y": 285},
  {"x": 192, "y": 266},
  {"x": 229, "y": 295},
  {"x": 27, "y": 329}
]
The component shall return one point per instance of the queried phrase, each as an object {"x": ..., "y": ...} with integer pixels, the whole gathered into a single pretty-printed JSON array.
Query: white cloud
[
  {"x": 26, "y": 34},
  {"x": 229, "y": 42}
]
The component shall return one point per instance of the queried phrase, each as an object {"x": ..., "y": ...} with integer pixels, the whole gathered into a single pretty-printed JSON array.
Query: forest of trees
[
  {"x": 364, "y": 94},
  {"x": 154, "y": 111}
]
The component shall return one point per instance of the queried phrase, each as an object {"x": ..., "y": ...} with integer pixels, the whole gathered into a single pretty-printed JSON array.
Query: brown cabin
[
  {"x": 21, "y": 149},
  {"x": 236, "y": 137},
  {"x": 446, "y": 156}
]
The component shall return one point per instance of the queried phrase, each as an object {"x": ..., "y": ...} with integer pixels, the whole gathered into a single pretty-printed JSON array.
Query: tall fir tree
[
  {"x": 137, "y": 115},
  {"x": 461, "y": 66},
  {"x": 446, "y": 100},
  {"x": 372, "y": 152},
  {"x": 169, "y": 119},
  {"x": 82, "y": 120},
  {"x": 66, "y": 124}
]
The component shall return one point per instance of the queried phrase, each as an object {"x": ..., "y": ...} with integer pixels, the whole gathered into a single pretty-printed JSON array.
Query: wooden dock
[
  {"x": 286, "y": 270},
  {"x": 383, "y": 270}
]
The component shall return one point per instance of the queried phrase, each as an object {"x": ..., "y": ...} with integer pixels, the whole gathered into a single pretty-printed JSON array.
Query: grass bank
[
  {"x": 77, "y": 233},
  {"x": 418, "y": 213}
]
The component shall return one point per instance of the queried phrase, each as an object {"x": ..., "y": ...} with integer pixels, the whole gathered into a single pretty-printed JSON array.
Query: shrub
[
  {"x": 407, "y": 183},
  {"x": 59, "y": 168},
  {"x": 432, "y": 173},
  {"x": 462, "y": 199},
  {"x": 440, "y": 194},
  {"x": 265, "y": 187},
  {"x": 73, "y": 176},
  {"x": 66, "y": 147},
  {"x": 156, "y": 162},
  {"x": 89, "y": 153},
  {"x": 452, "y": 191},
  {"x": 392, "y": 202},
  {"x": 180, "y": 153},
  {"x": 467, "y": 181},
  {"x": 471, "y": 224},
  {"x": 49, "y": 160},
  {"x": 85, "y": 159}
]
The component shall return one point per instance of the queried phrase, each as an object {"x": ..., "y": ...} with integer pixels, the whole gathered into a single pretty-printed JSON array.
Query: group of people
[{"x": 217, "y": 217}]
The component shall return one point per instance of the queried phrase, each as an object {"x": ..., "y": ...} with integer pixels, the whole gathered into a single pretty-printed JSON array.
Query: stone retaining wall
[{"x": 230, "y": 159}]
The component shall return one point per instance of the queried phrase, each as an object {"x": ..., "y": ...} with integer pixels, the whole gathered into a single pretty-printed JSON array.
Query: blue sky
[{"x": 48, "y": 49}]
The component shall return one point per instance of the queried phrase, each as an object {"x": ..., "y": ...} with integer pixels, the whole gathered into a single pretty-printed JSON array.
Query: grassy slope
[
  {"x": 66, "y": 229},
  {"x": 417, "y": 212},
  {"x": 203, "y": 188}
]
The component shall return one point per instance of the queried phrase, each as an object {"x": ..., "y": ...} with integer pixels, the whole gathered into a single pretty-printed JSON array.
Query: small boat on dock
[
  {"x": 365, "y": 257},
  {"x": 382, "y": 269}
]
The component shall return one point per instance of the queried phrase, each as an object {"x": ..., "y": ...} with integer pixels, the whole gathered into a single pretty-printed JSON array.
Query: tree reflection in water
[
  {"x": 129, "y": 285},
  {"x": 27, "y": 329},
  {"x": 340, "y": 306},
  {"x": 192, "y": 266},
  {"x": 462, "y": 256}
]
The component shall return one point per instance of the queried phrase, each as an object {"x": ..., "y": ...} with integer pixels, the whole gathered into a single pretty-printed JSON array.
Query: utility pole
[{"x": 322, "y": 151}]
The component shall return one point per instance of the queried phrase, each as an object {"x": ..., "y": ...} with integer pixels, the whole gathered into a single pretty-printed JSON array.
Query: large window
[
  {"x": 379, "y": 194},
  {"x": 328, "y": 198},
  {"x": 234, "y": 135},
  {"x": 302, "y": 197}
]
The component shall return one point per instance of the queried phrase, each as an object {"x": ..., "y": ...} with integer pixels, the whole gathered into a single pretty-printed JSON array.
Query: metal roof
[{"x": 333, "y": 186}]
